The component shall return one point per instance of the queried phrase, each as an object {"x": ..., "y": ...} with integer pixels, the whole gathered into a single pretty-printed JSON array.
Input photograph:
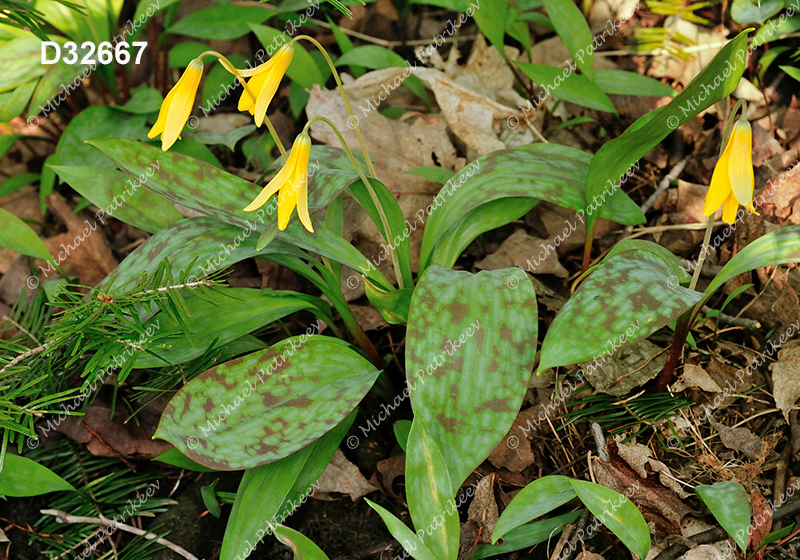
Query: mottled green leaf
[
  {"x": 616, "y": 512},
  {"x": 541, "y": 496},
  {"x": 271, "y": 492},
  {"x": 220, "y": 22},
  {"x": 120, "y": 197},
  {"x": 717, "y": 80},
  {"x": 569, "y": 86},
  {"x": 411, "y": 543},
  {"x": 777, "y": 247},
  {"x": 228, "y": 139},
  {"x": 526, "y": 536},
  {"x": 177, "y": 459},
  {"x": 728, "y": 503},
  {"x": 548, "y": 172},
  {"x": 430, "y": 493},
  {"x": 627, "y": 297},
  {"x": 307, "y": 385},
  {"x": 470, "y": 347},
  {"x": 571, "y": 26},
  {"x": 302, "y": 547},
  {"x": 621, "y": 82},
  {"x": 391, "y": 304},
  {"x": 240, "y": 311},
  {"x": 22, "y": 477},
  {"x": 18, "y": 236}
]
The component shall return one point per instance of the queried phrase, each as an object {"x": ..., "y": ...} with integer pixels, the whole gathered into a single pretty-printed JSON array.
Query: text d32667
[{"x": 106, "y": 52}]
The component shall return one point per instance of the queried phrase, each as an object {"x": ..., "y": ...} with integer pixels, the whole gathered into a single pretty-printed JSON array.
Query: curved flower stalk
[
  {"x": 177, "y": 106},
  {"x": 264, "y": 83},
  {"x": 291, "y": 184},
  {"x": 733, "y": 180}
]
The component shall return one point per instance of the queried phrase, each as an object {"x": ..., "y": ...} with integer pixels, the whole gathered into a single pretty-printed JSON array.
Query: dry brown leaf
[
  {"x": 739, "y": 439},
  {"x": 520, "y": 249},
  {"x": 589, "y": 556},
  {"x": 342, "y": 477},
  {"x": 640, "y": 459},
  {"x": 762, "y": 521},
  {"x": 695, "y": 376},
  {"x": 481, "y": 517},
  {"x": 387, "y": 471},
  {"x": 514, "y": 452},
  {"x": 630, "y": 367},
  {"x": 786, "y": 377}
]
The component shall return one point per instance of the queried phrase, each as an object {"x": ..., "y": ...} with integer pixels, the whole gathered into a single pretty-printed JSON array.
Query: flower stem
[
  {"x": 373, "y": 195},
  {"x": 344, "y": 96},
  {"x": 235, "y": 71}
]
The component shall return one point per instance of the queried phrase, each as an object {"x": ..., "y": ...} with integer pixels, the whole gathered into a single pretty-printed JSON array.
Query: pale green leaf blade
[
  {"x": 302, "y": 547},
  {"x": 569, "y": 86},
  {"x": 729, "y": 505},
  {"x": 22, "y": 477},
  {"x": 616, "y": 512},
  {"x": 266, "y": 405},
  {"x": 220, "y": 22},
  {"x": 18, "y": 236},
  {"x": 470, "y": 347},
  {"x": 777, "y": 247},
  {"x": 430, "y": 494},
  {"x": 571, "y": 26},
  {"x": 405, "y": 536},
  {"x": 541, "y": 496},
  {"x": 627, "y": 297},
  {"x": 527, "y": 536},
  {"x": 621, "y": 82}
]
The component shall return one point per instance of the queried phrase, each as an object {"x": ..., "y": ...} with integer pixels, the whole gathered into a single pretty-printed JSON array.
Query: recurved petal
[
  {"x": 272, "y": 80},
  {"x": 158, "y": 127},
  {"x": 740, "y": 164},
  {"x": 272, "y": 187},
  {"x": 181, "y": 107}
]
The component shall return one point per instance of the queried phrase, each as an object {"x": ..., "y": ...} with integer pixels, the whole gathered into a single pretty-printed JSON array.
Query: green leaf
[
  {"x": 302, "y": 547},
  {"x": 95, "y": 123},
  {"x": 59, "y": 79},
  {"x": 627, "y": 297},
  {"x": 470, "y": 347},
  {"x": 302, "y": 69},
  {"x": 548, "y": 172},
  {"x": 18, "y": 236},
  {"x": 729, "y": 505},
  {"x": 22, "y": 61},
  {"x": 210, "y": 500},
  {"x": 430, "y": 493},
  {"x": 21, "y": 478},
  {"x": 241, "y": 312},
  {"x": 405, "y": 536},
  {"x": 491, "y": 20},
  {"x": 144, "y": 101},
  {"x": 271, "y": 492},
  {"x": 791, "y": 71},
  {"x": 184, "y": 52},
  {"x": 571, "y": 26},
  {"x": 777, "y": 247},
  {"x": 526, "y": 536},
  {"x": 17, "y": 182},
  {"x": 221, "y": 22},
  {"x": 776, "y": 28},
  {"x": 712, "y": 84},
  {"x": 121, "y": 197},
  {"x": 218, "y": 84},
  {"x": 748, "y": 11},
  {"x": 401, "y": 430},
  {"x": 541, "y": 496},
  {"x": 6, "y": 141},
  {"x": 228, "y": 139},
  {"x": 631, "y": 83},
  {"x": 177, "y": 459},
  {"x": 616, "y": 512},
  {"x": 307, "y": 385},
  {"x": 13, "y": 102},
  {"x": 569, "y": 86},
  {"x": 433, "y": 173},
  {"x": 391, "y": 304}
]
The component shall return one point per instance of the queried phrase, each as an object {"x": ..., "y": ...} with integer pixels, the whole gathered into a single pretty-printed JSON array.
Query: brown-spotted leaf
[
  {"x": 469, "y": 354},
  {"x": 266, "y": 405},
  {"x": 626, "y": 298}
]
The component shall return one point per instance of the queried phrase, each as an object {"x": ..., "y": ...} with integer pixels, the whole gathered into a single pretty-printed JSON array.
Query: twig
[
  {"x": 736, "y": 321},
  {"x": 64, "y": 517},
  {"x": 28, "y": 354},
  {"x": 189, "y": 285},
  {"x": 664, "y": 184}
]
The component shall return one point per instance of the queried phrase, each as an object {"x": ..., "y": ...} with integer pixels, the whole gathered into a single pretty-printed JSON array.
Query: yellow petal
[
  {"x": 272, "y": 187},
  {"x": 300, "y": 153},
  {"x": 729, "y": 209},
  {"x": 302, "y": 194},
  {"x": 720, "y": 187},
  {"x": 178, "y": 105},
  {"x": 740, "y": 163}
]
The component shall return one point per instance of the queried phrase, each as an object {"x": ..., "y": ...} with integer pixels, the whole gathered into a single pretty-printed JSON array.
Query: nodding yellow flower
[
  {"x": 292, "y": 182},
  {"x": 732, "y": 182},
  {"x": 177, "y": 106},
  {"x": 264, "y": 83}
]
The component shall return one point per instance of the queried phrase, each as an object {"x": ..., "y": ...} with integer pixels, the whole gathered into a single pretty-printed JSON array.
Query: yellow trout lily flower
[
  {"x": 264, "y": 83},
  {"x": 732, "y": 182},
  {"x": 177, "y": 106},
  {"x": 292, "y": 182}
]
